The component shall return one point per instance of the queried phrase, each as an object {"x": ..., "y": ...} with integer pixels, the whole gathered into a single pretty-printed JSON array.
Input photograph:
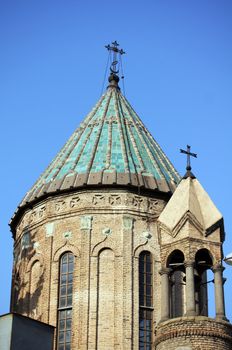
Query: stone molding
[
  {"x": 69, "y": 183},
  {"x": 217, "y": 267},
  {"x": 140, "y": 248},
  {"x": 187, "y": 217},
  {"x": 100, "y": 246},
  {"x": 106, "y": 243},
  {"x": 67, "y": 247},
  {"x": 144, "y": 246},
  {"x": 82, "y": 201},
  {"x": 165, "y": 271},
  {"x": 33, "y": 260}
]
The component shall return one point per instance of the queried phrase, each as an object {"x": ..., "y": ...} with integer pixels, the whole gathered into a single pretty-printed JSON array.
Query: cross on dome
[{"x": 114, "y": 47}]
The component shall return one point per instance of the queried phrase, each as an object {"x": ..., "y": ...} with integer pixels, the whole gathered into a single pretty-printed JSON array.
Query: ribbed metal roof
[{"x": 111, "y": 147}]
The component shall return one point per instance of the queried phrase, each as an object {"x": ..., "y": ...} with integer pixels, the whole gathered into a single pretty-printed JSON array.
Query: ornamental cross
[
  {"x": 116, "y": 51},
  {"x": 189, "y": 154}
]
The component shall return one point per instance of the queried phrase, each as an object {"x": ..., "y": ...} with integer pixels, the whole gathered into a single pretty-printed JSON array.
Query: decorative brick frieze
[
  {"x": 65, "y": 205},
  {"x": 201, "y": 333}
]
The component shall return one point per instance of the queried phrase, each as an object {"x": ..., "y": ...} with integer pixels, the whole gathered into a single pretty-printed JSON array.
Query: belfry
[{"x": 112, "y": 246}]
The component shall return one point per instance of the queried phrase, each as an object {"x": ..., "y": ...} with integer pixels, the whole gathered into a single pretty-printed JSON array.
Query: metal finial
[
  {"x": 188, "y": 167},
  {"x": 114, "y": 47}
]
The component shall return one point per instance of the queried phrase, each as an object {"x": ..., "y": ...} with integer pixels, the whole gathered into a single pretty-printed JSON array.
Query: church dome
[
  {"x": 110, "y": 147},
  {"x": 101, "y": 234}
]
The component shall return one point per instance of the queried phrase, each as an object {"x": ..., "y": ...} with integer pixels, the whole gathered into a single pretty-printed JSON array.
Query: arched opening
[
  {"x": 145, "y": 300},
  {"x": 64, "y": 324},
  {"x": 177, "y": 283},
  {"x": 203, "y": 264}
]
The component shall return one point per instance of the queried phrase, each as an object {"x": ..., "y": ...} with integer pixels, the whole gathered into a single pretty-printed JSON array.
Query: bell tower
[
  {"x": 191, "y": 234},
  {"x": 112, "y": 247}
]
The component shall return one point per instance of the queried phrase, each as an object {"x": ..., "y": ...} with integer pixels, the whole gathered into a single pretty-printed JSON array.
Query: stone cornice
[
  {"x": 22, "y": 208},
  {"x": 91, "y": 202}
]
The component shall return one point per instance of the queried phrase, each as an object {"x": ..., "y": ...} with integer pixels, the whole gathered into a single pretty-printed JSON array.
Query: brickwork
[
  {"x": 106, "y": 231},
  {"x": 194, "y": 333}
]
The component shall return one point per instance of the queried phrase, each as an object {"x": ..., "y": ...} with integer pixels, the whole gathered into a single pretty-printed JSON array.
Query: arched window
[
  {"x": 64, "y": 323},
  {"x": 203, "y": 264},
  {"x": 145, "y": 301},
  {"x": 177, "y": 283}
]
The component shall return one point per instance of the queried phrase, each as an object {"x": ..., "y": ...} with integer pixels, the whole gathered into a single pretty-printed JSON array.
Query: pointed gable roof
[{"x": 190, "y": 197}]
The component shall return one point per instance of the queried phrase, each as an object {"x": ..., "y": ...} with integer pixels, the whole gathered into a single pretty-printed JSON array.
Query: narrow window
[
  {"x": 25, "y": 243},
  {"x": 145, "y": 301},
  {"x": 65, "y": 302}
]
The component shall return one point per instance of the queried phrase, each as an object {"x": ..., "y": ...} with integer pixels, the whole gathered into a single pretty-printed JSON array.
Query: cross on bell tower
[{"x": 188, "y": 167}]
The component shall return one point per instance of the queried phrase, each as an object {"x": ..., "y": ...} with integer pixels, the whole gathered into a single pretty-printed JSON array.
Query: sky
[{"x": 178, "y": 78}]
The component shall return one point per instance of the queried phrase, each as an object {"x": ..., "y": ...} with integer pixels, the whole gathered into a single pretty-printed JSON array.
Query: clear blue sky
[{"x": 178, "y": 77}]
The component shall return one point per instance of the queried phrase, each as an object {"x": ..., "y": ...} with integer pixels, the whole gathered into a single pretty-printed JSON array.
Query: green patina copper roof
[{"x": 111, "y": 147}]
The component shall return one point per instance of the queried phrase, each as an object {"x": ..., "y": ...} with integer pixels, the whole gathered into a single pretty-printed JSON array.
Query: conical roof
[{"x": 110, "y": 147}]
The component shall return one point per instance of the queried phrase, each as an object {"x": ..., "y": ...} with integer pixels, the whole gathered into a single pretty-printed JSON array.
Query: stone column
[
  {"x": 165, "y": 297},
  {"x": 219, "y": 291},
  {"x": 190, "y": 289}
]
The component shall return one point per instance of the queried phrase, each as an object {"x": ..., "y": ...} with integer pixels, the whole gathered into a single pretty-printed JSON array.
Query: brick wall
[
  {"x": 194, "y": 333},
  {"x": 106, "y": 231}
]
